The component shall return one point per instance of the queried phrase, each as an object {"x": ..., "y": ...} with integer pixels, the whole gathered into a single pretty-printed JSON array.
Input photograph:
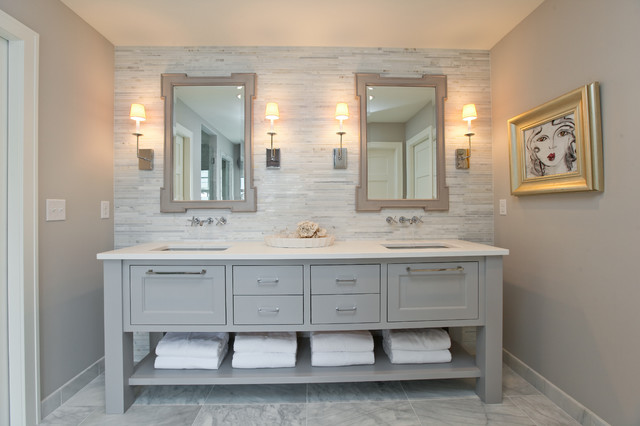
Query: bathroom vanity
[{"x": 352, "y": 285}]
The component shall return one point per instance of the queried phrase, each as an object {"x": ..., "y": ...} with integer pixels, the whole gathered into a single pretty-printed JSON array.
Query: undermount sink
[
  {"x": 416, "y": 246},
  {"x": 191, "y": 248}
]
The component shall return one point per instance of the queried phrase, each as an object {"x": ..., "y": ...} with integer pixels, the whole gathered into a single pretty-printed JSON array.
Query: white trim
[{"x": 22, "y": 235}]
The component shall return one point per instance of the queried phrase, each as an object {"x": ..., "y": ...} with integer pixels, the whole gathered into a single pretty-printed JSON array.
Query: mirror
[
  {"x": 401, "y": 142},
  {"x": 207, "y": 143}
]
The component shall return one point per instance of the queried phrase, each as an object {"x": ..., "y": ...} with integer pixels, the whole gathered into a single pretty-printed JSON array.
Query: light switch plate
[
  {"x": 503, "y": 207},
  {"x": 56, "y": 210},
  {"x": 104, "y": 210}
]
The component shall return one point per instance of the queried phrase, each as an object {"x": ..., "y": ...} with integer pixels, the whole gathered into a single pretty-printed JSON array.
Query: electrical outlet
[
  {"x": 104, "y": 210},
  {"x": 503, "y": 207},
  {"x": 56, "y": 210}
]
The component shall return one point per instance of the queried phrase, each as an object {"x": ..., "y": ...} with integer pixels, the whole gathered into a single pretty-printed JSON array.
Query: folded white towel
[
  {"x": 426, "y": 339},
  {"x": 280, "y": 342},
  {"x": 397, "y": 356},
  {"x": 182, "y": 363},
  {"x": 334, "y": 359},
  {"x": 341, "y": 341},
  {"x": 263, "y": 359},
  {"x": 192, "y": 344}
]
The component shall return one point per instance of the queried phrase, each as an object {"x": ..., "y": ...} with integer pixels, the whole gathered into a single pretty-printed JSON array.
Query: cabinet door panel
[
  {"x": 345, "y": 309},
  {"x": 433, "y": 291},
  {"x": 260, "y": 310},
  {"x": 345, "y": 279},
  {"x": 177, "y": 295},
  {"x": 254, "y": 280}
]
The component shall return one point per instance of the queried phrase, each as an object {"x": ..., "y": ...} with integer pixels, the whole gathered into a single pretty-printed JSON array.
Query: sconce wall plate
[
  {"x": 273, "y": 158},
  {"x": 462, "y": 158},
  {"x": 339, "y": 158},
  {"x": 145, "y": 159}
]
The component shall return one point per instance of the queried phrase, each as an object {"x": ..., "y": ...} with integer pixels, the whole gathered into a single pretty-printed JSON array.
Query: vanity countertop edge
[{"x": 259, "y": 250}]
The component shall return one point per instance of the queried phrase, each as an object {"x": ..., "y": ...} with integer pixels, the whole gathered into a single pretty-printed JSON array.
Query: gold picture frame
[{"x": 557, "y": 147}]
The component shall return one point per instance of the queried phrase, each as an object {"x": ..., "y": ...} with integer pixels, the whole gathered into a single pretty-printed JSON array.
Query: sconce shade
[
  {"x": 469, "y": 112},
  {"x": 272, "y": 112},
  {"x": 137, "y": 112},
  {"x": 342, "y": 111}
]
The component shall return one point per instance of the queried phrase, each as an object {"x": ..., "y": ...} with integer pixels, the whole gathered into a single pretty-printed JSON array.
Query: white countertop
[{"x": 258, "y": 250}]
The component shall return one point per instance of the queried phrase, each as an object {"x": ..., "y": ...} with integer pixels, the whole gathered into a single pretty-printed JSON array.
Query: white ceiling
[{"x": 446, "y": 24}]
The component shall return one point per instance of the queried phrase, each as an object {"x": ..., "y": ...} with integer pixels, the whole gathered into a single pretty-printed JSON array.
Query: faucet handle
[
  {"x": 391, "y": 220},
  {"x": 221, "y": 221},
  {"x": 416, "y": 219}
]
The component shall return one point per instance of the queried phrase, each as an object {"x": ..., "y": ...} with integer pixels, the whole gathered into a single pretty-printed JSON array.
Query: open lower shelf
[{"x": 462, "y": 365}]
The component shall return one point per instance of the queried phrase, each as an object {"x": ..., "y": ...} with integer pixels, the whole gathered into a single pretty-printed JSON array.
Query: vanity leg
[
  {"x": 489, "y": 337},
  {"x": 118, "y": 345}
]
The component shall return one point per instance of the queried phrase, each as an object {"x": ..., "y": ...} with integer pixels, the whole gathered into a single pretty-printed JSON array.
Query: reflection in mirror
[
  {"x": 207, "y": 138},
  {"x": 402, "y": 146}
]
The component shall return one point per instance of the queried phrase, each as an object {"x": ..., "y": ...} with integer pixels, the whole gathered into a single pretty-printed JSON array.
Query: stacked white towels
[
  {"x": 264, "y": 350},
  {"x": 191, "y": 350},
  {"x": 417, "y": 346},
  {"x": 329, "y": 348}
]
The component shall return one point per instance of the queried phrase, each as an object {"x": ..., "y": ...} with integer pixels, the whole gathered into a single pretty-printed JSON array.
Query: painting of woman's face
[{"x": 551, "y": 147}]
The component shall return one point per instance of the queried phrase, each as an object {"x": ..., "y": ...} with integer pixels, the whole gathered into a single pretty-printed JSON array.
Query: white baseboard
[{"x": 563, "y": 400}]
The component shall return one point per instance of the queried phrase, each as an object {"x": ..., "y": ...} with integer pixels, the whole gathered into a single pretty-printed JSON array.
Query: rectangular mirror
[
  {"x": 208, "y": 142},
  {"x": 402, "y": 142}
]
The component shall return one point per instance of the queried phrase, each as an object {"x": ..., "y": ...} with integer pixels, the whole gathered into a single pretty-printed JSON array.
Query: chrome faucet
[{"x": 411, "y": 221}]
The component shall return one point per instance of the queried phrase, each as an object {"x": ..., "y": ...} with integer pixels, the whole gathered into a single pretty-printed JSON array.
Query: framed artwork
[{"x": 557, "y": 147}]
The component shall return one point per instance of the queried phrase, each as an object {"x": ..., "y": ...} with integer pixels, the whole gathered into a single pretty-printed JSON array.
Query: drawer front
[
  {"x": 257, "y": 310},
  {"x": 177, "y": 295},
  {"x": 254, "y": 280},
  {"x": 433, "y": 291},
  {"x": 345, "y": 309},
  {"x": 345, "y": 279}
]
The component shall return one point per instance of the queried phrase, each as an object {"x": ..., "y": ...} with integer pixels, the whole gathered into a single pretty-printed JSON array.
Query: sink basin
[
  {"x": 416, "y": 246},
  {"x": 191, "y": 248}
]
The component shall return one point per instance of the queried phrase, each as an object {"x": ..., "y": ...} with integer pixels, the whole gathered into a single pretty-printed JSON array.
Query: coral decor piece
[{"x": 307, "y": 235}]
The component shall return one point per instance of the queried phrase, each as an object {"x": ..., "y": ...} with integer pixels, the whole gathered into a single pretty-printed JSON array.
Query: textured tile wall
[{"x": 307, "y": 82}]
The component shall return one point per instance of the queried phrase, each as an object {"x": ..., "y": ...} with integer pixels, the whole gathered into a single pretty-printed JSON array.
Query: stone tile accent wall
[{"x": 306, "y": 82}]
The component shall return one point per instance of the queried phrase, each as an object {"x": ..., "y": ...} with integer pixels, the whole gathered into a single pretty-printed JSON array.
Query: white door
[
  {"x": 4, "y": 335},
  {"x": 423, "y": 167},
  {"x": 384, "y": 162}
]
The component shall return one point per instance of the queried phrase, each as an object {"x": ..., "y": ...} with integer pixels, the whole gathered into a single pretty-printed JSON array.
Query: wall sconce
[
  {"x": 145, "y": 156},
  {"x": 462, "y": 155},
  {"x": 340, "y": 154},
  {"x": 273, "y": 155}
]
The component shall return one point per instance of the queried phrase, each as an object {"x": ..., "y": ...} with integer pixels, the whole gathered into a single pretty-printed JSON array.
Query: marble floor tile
[
  {"x": 469, "y": 411},
  {"x": 68, "y": 415},
  {"x": 91, "y": 395},
  {"x": 254, "y": 415},
  {"x": 140, "y": 415},
  {"x": 395, "y": 413},
  {"x": 257, "y": 394},
  {"x": 513, "y": 384},
  {"x": 543, "y": 411},
  {"x": 452, "y": 388},
  {"x": 363, "y": 391},
  {"x": 173, "y": 395}
]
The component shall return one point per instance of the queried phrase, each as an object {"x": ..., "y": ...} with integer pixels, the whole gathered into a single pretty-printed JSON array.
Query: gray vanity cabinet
[{"x": 348, "y": 287}]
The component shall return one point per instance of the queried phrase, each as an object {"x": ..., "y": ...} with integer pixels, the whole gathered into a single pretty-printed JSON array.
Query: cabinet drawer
[
  {"x": 258, "y": 310},
  {"x": 254, "y": 280},
  {"x": 177, "y": 295},
  {"x": 345, "y": 279},
  {"x": 433, "y": 291},
  {"x": 345, "y": 309}
]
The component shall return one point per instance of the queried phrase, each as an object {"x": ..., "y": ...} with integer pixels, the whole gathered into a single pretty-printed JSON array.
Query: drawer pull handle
[
  {"x": 458, "y": 269},
  {"x": 268, "y": 281},
  {"x": 351, "y": 309},
  {"x": 346, "y": 280},
  {"x": 268, "y": 310},
  {"x": 152, "y": 272}
]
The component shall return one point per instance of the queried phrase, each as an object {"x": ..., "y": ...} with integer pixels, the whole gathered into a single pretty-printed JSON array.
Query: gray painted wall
[
  {"x": 571, "y": 290},
  {"x": 75, "y": 163}
]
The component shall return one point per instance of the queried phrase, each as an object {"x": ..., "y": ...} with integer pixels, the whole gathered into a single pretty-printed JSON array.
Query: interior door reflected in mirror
[
  {"x": 402, "y": 142},
  {"x": 207, "y": 139}
]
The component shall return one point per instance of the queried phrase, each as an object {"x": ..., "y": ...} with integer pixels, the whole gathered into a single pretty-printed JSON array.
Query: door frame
[{"x": 22, "y": 217}]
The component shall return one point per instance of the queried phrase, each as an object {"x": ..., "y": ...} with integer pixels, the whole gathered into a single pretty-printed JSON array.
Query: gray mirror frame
[
  {"x": 439, "y": 82},
  {"x": 167, "y": 203}
]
